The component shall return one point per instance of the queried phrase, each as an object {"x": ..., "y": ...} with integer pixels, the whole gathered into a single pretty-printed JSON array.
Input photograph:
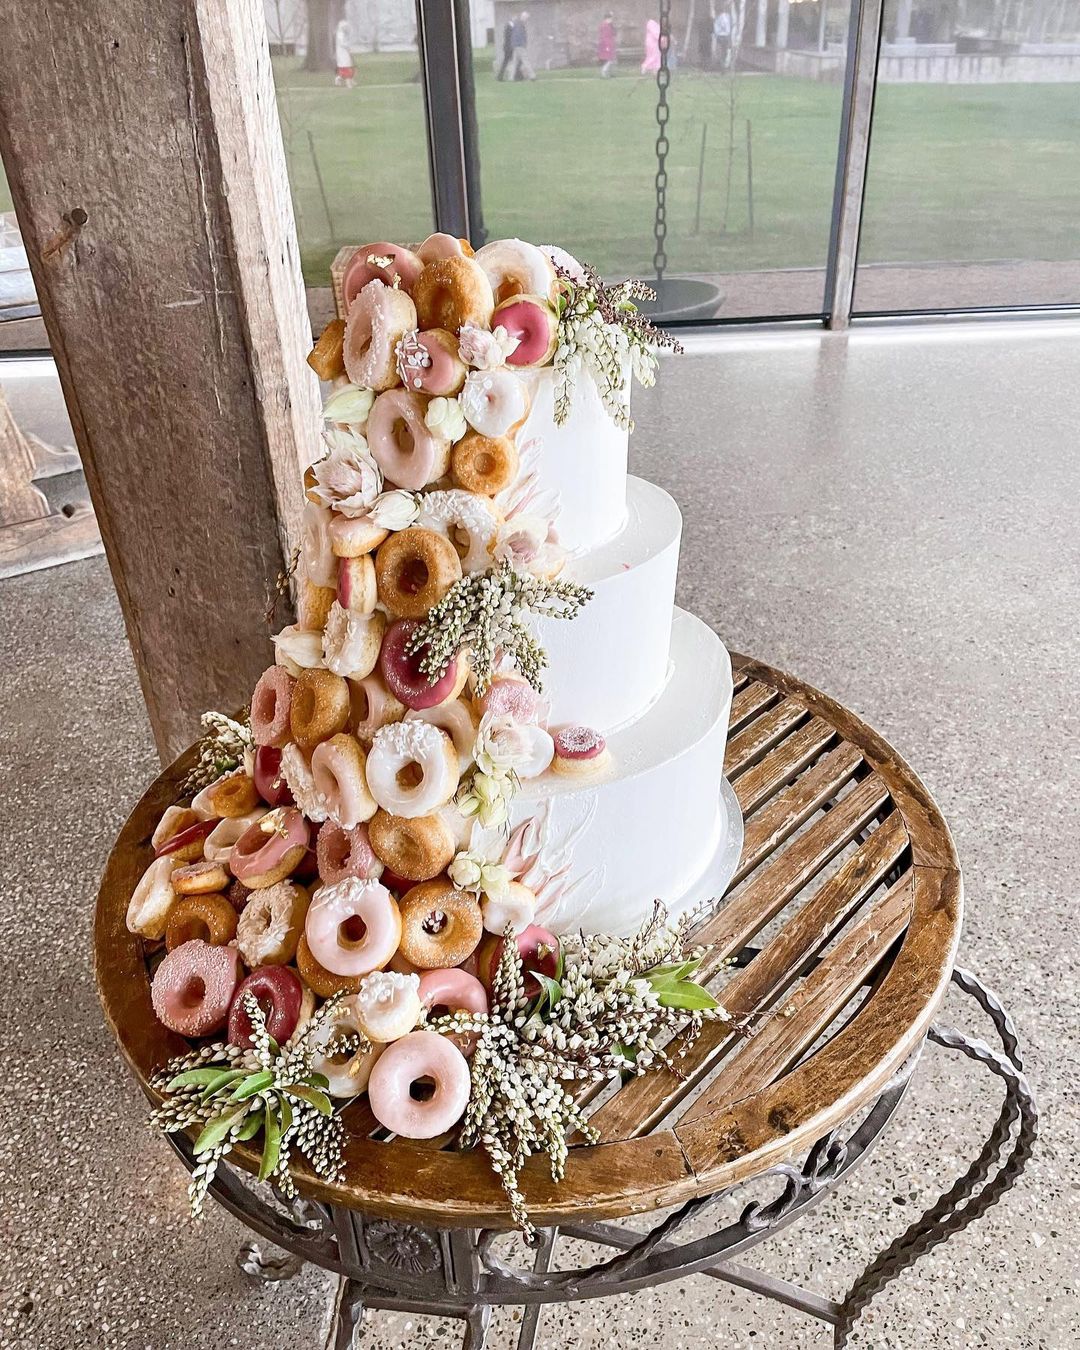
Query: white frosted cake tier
[
  {"x": 652, "y": 825},
  {"x": 611, "y": 662}
]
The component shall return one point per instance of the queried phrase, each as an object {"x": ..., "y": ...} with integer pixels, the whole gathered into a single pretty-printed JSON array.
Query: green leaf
[
  {"x": 218, "y": 1128},
  {"x": 252, "y": 1085},
  {"x": 252, "y": 1126},
  {"x": 551, "y": 991},
  {"x": 285, "y": 1115},
  {"x": 272, "y": 1144},
  {"x": 223, "y": 1078},
  {"x": 318, "y": 1080},
  {"x": 680, "y": 970},
  {"x": 319, "y": 1100},
  {"x": 685, "y": 994},
  {"x": 192, "y": 1078}
]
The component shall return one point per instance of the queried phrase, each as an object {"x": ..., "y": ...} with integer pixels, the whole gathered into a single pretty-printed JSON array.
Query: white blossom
[
  {"x": 349, "y": 405},
  {"x": 485, "y": 350},
  {"x": 445, "y": 418},
  {"x": 347, "y": 479},
  {"x": 395, "y": 510}
]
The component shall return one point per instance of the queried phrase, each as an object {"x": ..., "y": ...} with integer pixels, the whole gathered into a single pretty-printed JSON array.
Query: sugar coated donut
[
  {"x": 356, "y": 584},
  {"x": 338, "y": 769},
  {"x": 152, "y": 899},
  {"x": 580, "y": 752},
  {"x": 313, "y": 604},
  {"x": 345, "y": 853},
  {"x": 219, "y": 842},
  {"x": 353, "y": 927},
  {"x": 278, "y": 992},
  {"x": 405, "y": 448},
  {"x": 351, "y": 641},
  {"x": 270, "y": 926},
  {"x": 403, "y": 676},
  {"x": 194, "y": 986},
  {"x": 320, "y": 707},
  {"x": 414, "y": 569},
  {"x": 440, "y": 925},
  {"x": 412, "y": 769},
  {"x": 373, "y": 705},
  {"x": 484, "y": 464},
  {"x": 269, "y": 779},
  {"x": 429, "y": 362},
  {"x": 322, "y": 981},
  {"x": 456, "y": 718},
  {"x": 510, "y": 694},
  {"x": 453, "y": 291},
  {"x": 347, "y": 1077},
  {"x": 471, "y": 523},
  {"x": 514, "y": 267},
  {"x": 389, "y": 1005},
  {"x": 415, "y": 849},
  {"x": 271, "y": 849},
  {"x": 420, "y": 1059},
  {"x": 516, "y": 907},
  {"x": 495, "y": 402},
  {"x": 354, "y": 536},
  {"x": 270, "y": 707},
  {"x": 437, "y": 246},
  {"x": 325, "y": 358},
  {"x": 202, "y": 877},
  {"x": 533, "y": 321},
  {"x": 234, "y": 794},
  {"x": 380, "y": 262},
  {"x": 378, "y": 319}
]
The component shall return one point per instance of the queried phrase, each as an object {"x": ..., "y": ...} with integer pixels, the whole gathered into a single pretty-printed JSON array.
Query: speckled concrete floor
[{"x": 895, "y": 519}]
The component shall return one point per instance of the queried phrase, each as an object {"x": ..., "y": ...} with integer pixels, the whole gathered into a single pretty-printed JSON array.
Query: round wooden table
[{"x": 843, "y": 918}]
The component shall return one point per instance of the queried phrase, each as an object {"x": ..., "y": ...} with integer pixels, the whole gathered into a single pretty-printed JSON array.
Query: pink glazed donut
[
  {"x": 270, "y": 707},
  {"x": 533, "y": 321},
  {"x": 194, "y": 986},
  {"x": 403, "y": 1066},
  {"x": 363, "y": 268},
  {"x": 429, "y": 363},
  {"x": 450, "y": 991},
  {"x": 401, "y": 442},
  {"x": 378, "y": 319},
  {"x": 345, "y": 853},
  {"x": 353, "y": 927}
]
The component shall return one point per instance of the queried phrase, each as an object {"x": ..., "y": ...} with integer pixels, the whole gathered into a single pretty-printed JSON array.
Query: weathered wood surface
[
  {"x": 847, "y": 864},
  {"x": 19, "y": 499},
  {"x": 143, "y": 154}
]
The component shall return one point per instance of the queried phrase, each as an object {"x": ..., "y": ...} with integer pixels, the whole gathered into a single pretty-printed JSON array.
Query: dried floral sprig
[
  {"x": 280, "y": 587},
  {"x": 618, "y": 1005},
  {"x": 222, "y": 748},
  {"x": 482, "y": 615},
  {"x": 601, "y": 327},
  {"x": 232, "y": 1094}
]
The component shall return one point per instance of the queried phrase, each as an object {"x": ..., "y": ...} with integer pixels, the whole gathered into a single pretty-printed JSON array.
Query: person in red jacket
[{"x": 605, "y": 45}]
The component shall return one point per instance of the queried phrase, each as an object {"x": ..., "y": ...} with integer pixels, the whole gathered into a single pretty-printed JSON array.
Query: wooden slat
[
  {"x": 782, "y": 765},
  {"x": 748, "y": 745},
  {"x": 748, "y": 703}
]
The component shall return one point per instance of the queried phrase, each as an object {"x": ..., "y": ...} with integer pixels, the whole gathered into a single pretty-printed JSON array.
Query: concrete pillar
[
  {"x": 823, "y": 14},
  {"x": 781, "y": 24},
  {"x": 761, "y": 27},
  {"x": 902, "y": 32}
]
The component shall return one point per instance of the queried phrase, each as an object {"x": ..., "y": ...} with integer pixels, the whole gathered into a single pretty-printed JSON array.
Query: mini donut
[
  {"x": 326, "y": 358},
  {"x": 296, "y": 770},
  {"x": 199, "y": 878},
  {"x": 234, "y": 794},
  {"x": 516, "y": 907},
  {"x": 345, "y": 1077},
  {"x": 440, "y": 925},
  {"x": 495, "y": 402},
  {"x": 344, "y": 853},
  {"x": 457, "y": 720},
  {"x": 514, "y": 267},
  {"x": 471, "y": 523},
  {"x": 219, "y": 842},
  {"x": 152, "y": 899},
  {"x": 450, "y": 991},
  {"x": 209, "y": 917},
  {"x": 380, "y": 262},
  {"x": 174, "y": 819},
  {"x": 320, "y": 980},
  {"x": 270, "y": 707},
  {"x": 403, "y": 676},
  {"x": 453, "y": 291},
  {"x": 320, "y": 707},
  {"x": 356, "y": 584},
  {"x": 269, "y": 780},
  {"x": 279, "y": 993},
  {"x": 415, "y": 849},
  {"x": 484, "y": 464},
  {"x": 271, "y": 849},
  {"x": 338, "y": 772},
  {"x": 238, "y": 895},
  {"x": 412, "y": 769},
  {"x": 317, "y": 562},
  {"x": 509, "y": 694},
  {"x": 420, "y": 1057},
  {"x": 378, "y": 319},
  {"x": 186, "y": 845},
  {"x": 269, "y": 929},
  {"x": 351, "y": 641},
  {"x": 438, "y": 246},
  {"x": 373, "y": 706},
  {"x": 414, "y": 569},
  {"x": 533, "y": 321},
  {"x": 389, "y": 1005},
  {"x": 353, "y": 927},
  {"x": 354, "y": 536},
  {"x": 430, "y": 363},
  {"x": 580, "y": 752},
  {"x": 313, "y": 604},
  {"x": 194, "y": 986},
  {"x": 405, "y": 448}
]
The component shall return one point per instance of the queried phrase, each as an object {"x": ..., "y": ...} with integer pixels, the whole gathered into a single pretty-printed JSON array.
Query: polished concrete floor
[{"x": 895, "y": 518}]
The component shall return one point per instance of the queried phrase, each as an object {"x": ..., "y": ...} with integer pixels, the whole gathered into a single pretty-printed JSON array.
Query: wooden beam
[{"x": 143, "y": 152}]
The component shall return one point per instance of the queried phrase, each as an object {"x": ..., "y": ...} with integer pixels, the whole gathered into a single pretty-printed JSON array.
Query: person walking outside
[
  {"x": 606, "y": 48},
  {"x": 507, "y": 49},
  {"x": 722, "y": 38},
  {"x": 520, "y": 68},
  {"x": 343, "y": 58}
]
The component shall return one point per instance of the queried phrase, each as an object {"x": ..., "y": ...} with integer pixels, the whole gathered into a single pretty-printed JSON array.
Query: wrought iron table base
[{"x": 456, "y": 1273}]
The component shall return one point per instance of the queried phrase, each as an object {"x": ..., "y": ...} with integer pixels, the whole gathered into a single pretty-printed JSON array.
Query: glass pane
[
  {"x": 973, "y": 183},
  {"x": 352, "y": 118},
  {"x": 755, "y": 102},
  {"x": 17, "y": 297}
]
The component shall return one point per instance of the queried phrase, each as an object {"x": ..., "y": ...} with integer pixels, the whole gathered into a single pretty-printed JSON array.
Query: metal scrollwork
[
  {"x": 823, "y": 1163},
  {"x": 401, "y": 1247}
]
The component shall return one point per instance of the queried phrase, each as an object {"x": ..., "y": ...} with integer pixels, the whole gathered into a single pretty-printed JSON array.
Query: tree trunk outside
[{"x": 323, "y": 16}]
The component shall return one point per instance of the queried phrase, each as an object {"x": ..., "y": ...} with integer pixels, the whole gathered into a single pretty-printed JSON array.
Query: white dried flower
[
  {"x": 485, "y": 350},
  {"x": 444, "y": 417},
  {"x": 395, "y": 510},
  {"x": 349, "y": 405},
  {"x": 347, "y": 479},
  {"x": 471, "y": 871},
  {"x": 486, "y": 798},
  {"x": 298, "y": 649},
  {"x": 502, "y": 745}
]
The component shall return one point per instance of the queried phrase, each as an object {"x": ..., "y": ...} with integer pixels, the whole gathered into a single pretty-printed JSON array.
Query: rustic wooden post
[{"x": 143, "y": 151}]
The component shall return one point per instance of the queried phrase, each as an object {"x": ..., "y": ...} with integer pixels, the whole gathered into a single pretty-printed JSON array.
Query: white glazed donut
[
  {"x": 419, "y": 1055},
  {"x": 458, "y": 720},
  {"x": 469, "y": 521},
  {"x": 346, "y": 1078},
  {"x": 379, "y": 318},
  {"x": 412, "y": 769},
  {"x": 405, "y": 448},
  {"x": 389, "y": 1005},
  {"x": 353, "y": 927},
  {"x": 438, "y": 246},
  {"x": 153, "y": 897},
  {"x": 300, "y": 781},
  {"x": 351, "y": 641},
  {"x": 337, "y": 771},
  {"x": 517, "y": 907},
  {"x": 219, "y": 842},
  {"x": 495, "y": 403},
  {"x": 373, "y": 706},
  {"x": 317, "y": 561},
  {"x": 515, "y": 267}
]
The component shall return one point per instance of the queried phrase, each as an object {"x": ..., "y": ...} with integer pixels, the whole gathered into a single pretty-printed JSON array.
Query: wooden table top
[{"x": 849, "y": 886}]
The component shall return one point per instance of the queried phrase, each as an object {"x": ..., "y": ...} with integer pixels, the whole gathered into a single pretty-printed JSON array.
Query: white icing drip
[
  {"x": 442, "y": 511},
  {"x": 408, "y": 740}
]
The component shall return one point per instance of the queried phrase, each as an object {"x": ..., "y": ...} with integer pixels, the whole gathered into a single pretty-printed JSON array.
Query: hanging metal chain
[{"x": 663, "y": 145}]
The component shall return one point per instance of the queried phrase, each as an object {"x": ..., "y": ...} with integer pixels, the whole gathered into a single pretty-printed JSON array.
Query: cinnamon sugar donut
[
  {"x": 440, "y": 925},
  {"x": 453, "y": 291},
  {"x": 270, "y": 707},
  {"x": 484, "y": 464},
  {"x": 413, "y": 571},
  {"x": 320, "y": 707},
  {"x": 320, "y": 980},
  {"x": 405, "y": 448},
  {"x": 209, "y": 917},
  {"x": 378, "y": 319},
  {"x": 416, "y": 849}
]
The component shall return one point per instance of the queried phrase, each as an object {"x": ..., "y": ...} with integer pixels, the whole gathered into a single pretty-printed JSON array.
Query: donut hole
[
  {"x": 413, "y": 576},
  {"x": 459, "y": 537},
  {"x": 402, "y": 436},
  {"x": 422, "y": 1089},
  {"x": 193, "y": 993},
  {"x": 195, "y": 929},
  {"x": 352, "y": 932},
  {"x": 410, "y": 776},
  {"x": 361, "y": 704},
  {"x": 435, "y": 923}
]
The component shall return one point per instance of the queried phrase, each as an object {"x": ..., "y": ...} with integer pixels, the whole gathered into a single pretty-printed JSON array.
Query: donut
[
  {"x": 338, "y": 772},
  {"x": 453, "y": 291},
  {"x": 349, "y": 1076},
  {"x": 322, "y": 981},
  {"x": 296, "y": 770},
  {"x": 516, "y": 907},
  {"x": 440, "y": 925},
  {"x": 380, "y": 262},
  {"x": 203, "y": 877},
  {"x": 420, "y": 1059},
  {"x": 344, "y": 853},
  {"x": 354, "y": 536},
  {"x": 152, "y": 899},
  {"x": 509, "y": 694},
  {"x": 270, "y": 707},
  {"x": 580, "y": 752},
  {"x": 405, "y": 448},
  {"x": 356, "y": 584},
  {"x": 313, "y": 604},
  {"x": 429, "y": 362},
  {"x": 279, "y": 993},
  {"x": 234, "y": 794},
  {"x": 320, "y": 707},
  {"x": 389, "y": 1005},
  {"x": 514, "y": 267},
  {"x": 208, "y": 917},
  {"x": 378, "y": 319},
  {"x": 317, "y": 561},
  {"x": 271, "y": 849},
  {"x": 373, "y": 706},
  {"x": 495, "y": 402},
  {"x": 193, "y": 987},
  {"x": 218, "y": 845},
  {"x": 351, "y": 641},
  {"x": 353, "y": 927},
  {"x": 270, "y": 926},
  {"x": 484, "y": 464},
  {"x": 174, "y": 820},
  {"x": 412, "y": 769},
  {"x": 403, "y": 676},
  {"x": 532, "y": 320},
  {"x": 413, "y": 571},
  {"x": 238, "y": 895},
  {"x": 326, "y": 358},
  {"x": 269, "y": 780},
  {"x": 457, "y": 720},
  {"x": 471, "y": 523},
  {"x": 437, "y": 246},
  {"x": 453, "y": 990},
  {"x": 415, "y": 849}
]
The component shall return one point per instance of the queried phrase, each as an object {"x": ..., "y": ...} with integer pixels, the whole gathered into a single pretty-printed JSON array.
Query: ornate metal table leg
[
  {"x": 348, "y": 1311},
  {"x": 262, "y": 1264},
  {"x": 965, "y": 1201}
]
